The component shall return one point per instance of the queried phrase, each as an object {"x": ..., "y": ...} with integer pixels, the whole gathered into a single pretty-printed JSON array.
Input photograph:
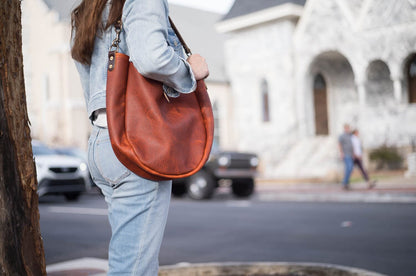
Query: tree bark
[{"x": 21, "y": 248}]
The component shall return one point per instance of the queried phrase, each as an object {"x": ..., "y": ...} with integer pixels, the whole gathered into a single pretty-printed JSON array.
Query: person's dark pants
[{"x": 359, "y": 164}]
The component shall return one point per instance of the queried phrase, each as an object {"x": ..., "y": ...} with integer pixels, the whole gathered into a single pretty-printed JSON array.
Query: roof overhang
[{"x": 285, "y": 11}]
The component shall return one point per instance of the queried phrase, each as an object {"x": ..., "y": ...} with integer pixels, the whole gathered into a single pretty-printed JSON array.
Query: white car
[{"x": 59, "y": 174}]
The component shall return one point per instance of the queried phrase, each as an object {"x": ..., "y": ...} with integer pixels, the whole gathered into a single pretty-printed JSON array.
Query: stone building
[{"x": 300, "y": 69}]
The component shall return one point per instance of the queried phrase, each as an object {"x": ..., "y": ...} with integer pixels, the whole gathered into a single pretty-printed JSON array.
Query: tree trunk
[{"x": 21, "y": 248}]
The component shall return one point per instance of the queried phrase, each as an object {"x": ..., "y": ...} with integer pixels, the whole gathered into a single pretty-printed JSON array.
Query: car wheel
[
  {"x": 72, "y": 196},
  {"x": 243, "y": 187},
  {"x": 178, "y": 190},
  {"x": 200, "y": 185}
]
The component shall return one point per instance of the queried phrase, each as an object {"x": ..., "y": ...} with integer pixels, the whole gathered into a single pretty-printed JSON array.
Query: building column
[
  {"x": 397, "y": 79},
  {"x": 397, "y": 82},
  {"x": 300, "y": 99},
  {"x": 361, "y": 93}
]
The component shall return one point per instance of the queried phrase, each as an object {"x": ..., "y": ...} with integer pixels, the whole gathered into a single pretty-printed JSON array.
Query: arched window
[
  {"x": 265, "y": 100},
  {"x": 379, "y": 86},
  {"x": 411, "y": 74},
  {"x": 320, "y": 105}
]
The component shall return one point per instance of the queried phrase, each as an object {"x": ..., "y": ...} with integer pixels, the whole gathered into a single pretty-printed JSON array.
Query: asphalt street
[{"x": 376, "y": 236}]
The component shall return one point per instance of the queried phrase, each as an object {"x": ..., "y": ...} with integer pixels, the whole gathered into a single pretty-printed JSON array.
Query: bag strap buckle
[{"x": 116, "y": 41}]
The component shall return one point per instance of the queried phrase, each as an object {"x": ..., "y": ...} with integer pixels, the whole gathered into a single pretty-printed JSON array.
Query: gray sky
[{"x": 221, "y": 6}]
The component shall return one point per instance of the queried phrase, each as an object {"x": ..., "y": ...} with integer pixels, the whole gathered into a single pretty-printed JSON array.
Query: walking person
[
  {"x": 358, "y": 156},
  {"x": 346, "y": 154},
  {"x": 137, "y": 207}
]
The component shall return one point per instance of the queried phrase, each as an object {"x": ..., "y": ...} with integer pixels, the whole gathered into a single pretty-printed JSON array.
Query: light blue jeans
[
  {"x": 349, "y": 165},
  {"x": 137, "y": 210}
]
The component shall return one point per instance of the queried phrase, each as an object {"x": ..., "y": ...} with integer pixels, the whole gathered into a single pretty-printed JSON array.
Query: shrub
[{"x": 386, "y": 157}]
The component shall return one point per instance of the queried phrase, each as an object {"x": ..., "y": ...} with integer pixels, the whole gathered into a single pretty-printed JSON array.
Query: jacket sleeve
[{"x": 146, "y": 27}]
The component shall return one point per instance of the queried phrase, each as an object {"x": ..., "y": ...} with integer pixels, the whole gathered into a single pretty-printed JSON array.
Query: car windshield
[{"x": 42, "y": 150}]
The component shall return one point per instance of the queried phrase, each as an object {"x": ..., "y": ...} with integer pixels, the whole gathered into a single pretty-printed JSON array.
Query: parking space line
[
  {"x": 78, "y": 211},
  {"x": 239, "y": 203}
]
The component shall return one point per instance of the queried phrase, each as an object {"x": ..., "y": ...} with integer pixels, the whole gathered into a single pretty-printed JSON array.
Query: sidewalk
[{"x": 390, "y": 188}]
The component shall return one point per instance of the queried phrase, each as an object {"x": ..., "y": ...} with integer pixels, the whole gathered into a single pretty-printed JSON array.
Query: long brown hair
[{"x": 87, "y": 24}]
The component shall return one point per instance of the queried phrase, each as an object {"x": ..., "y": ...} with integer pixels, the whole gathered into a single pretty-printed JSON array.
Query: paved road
[
  {"x": 373, "y": 236},
  {"x": 74, "y": 230}
]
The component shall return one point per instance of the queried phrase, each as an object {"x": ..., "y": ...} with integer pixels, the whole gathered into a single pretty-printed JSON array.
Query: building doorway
[
  {"x": 320, "y": 105},
  {"x": 331, "y": 95}
]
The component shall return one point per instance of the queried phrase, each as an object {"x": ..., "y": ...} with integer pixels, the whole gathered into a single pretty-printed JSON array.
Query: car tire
[
  {"x": 179, "y": 190},
  {"x": 243, "y": 187},
  {"x": 72, "y": 196},
  {"x": 201, "y": 185}
]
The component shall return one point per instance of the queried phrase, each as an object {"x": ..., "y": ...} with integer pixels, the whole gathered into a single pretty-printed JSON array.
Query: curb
[
  {"x": 347, "y": 197},
  {"x": 99, "y": 267},
  {"x": 260, "y": 268},
  {"x": 79, "y": 267},
  {"x": 393, "y": 190}
]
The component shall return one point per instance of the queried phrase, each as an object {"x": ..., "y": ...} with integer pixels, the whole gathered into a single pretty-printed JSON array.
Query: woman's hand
[{"x": 199, "y": 66}]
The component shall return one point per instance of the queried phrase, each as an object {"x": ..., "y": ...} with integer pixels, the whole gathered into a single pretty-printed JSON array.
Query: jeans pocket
[{"x": 108, "y": 164}]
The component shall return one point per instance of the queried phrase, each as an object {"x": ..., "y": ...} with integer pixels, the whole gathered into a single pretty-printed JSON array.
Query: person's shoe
[
  {"x": 371, "y": 184},
  {"x": 346, "y": 187}
]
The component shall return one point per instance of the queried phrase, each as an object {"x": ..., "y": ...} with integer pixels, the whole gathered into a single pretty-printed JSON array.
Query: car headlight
[
  {"x": 224, "y": 161},
  {"x": 83, "y": 167},
  {"x": 254, "y": 161}
]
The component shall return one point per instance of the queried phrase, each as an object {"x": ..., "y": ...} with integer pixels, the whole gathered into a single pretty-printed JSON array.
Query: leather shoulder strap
[
  {"x": 178, "y": 34},
  {"x": 118, "y": 25}
]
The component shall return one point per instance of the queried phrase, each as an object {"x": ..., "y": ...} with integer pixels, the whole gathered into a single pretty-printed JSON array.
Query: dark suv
[{"x": 235, "y": 168}]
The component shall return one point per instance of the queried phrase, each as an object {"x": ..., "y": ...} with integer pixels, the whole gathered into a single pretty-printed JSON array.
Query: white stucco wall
[
  {"x": 254, "y": 54},
  {"x": 220, "y": 95},
  {"x": 54, "y": 95}
]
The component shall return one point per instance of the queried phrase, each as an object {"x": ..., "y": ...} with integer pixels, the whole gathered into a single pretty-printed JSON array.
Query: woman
[{"x": 137, "y": 207}]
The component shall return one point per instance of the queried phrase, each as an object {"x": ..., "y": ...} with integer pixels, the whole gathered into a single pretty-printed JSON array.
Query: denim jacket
[{"x": 152, "y": 45}]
